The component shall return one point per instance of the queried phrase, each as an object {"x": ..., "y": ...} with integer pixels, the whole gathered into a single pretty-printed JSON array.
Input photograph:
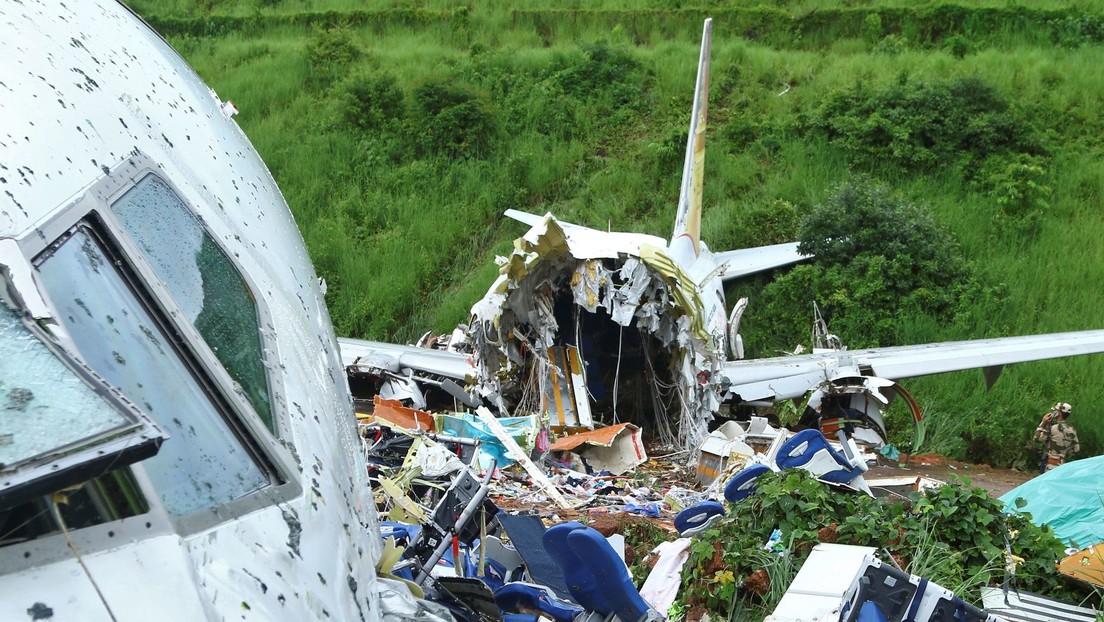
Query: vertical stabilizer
[{"x": 684, "y": 240}]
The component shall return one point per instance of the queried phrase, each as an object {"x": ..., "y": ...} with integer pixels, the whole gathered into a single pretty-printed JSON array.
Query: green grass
[{"x": 406, "y": 238}]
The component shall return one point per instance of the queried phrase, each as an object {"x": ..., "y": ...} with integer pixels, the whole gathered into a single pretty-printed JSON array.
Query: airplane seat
[
  {"x": 517, "y": 595},
  {"x": 509, "y": 562},
  {"x": 742, "y": 485},
  {"x": 698, "y": 517},
  {"x": 581, "y": 582},
  {"x": 809, "y": 450},
  {"x": 611, "y": 576}
]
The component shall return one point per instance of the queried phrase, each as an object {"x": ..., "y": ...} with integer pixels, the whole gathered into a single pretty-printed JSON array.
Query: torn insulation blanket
[{"x": 617, "y": 448}]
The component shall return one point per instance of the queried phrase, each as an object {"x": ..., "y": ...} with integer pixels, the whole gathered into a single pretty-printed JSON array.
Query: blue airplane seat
[
  {"x": 698, "y": 517},
  {"x": 515, "y": 595},
  {"x": 581, "y": 582},
  {"x": 611, "y": 577},
  {"x": 742, "y": 485},
  {"x": 871, "y": 612},
  {"x": 403, "y": 533},
  {"x": 809, "y": 450}
]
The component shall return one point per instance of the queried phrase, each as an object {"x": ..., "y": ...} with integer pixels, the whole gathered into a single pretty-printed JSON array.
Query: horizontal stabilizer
[
  {"x": 525, "y": 217},
  {"x": 751, "y": 260}
]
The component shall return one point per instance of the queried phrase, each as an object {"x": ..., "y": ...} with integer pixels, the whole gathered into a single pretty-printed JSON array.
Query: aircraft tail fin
[{"x": 688, "y": 218}]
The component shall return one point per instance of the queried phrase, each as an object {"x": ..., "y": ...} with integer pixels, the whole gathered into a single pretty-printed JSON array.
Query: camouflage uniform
[{"x": 1063, "y": 442}]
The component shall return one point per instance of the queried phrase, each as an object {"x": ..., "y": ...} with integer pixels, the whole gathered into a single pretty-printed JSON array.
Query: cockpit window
[
  {"x": 41, "y": 399},
  {"x": 203, "y": 282},
  {"x": 204, "y": 463}
]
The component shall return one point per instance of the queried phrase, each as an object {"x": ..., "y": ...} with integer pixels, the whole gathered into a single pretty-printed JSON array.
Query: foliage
[
  {"x": 878, "y": 257},
  {"x": 1018, "y": 185},
  {"x": 916, "y": 125},
  {"x": 775, "y": 223},
  {"x": 453, "y": 120},
  {"x": 609, "y": 77},
  {"x": 329, "y": 55},
  {"x": 372, "y": 101},
  {"x": 956, "y": 536}
]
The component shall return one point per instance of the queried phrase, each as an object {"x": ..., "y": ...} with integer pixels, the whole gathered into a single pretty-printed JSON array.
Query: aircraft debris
[
  {"x": 518, "y": 454},
  {"x": 1086, "y": 565},
  {"x": 522, "y": 432},
  {"x": 394, "y": 412},
  {"x": 818, "y": 588},
  {"x": 616, "y": 449},
  {"x": 722, "y": 446},
  {"x": 1022, "y": 606}
]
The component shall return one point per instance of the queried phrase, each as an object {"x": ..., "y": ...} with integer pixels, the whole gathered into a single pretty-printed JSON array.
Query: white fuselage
[{"x": 92, "y": 102}]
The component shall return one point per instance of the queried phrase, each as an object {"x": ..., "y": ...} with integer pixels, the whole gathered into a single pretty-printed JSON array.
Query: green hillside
[{"x": 399, "y": 132}]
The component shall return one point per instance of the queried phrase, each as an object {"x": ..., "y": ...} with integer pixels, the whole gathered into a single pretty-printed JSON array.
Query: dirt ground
[{"x": 934, "y": 466}]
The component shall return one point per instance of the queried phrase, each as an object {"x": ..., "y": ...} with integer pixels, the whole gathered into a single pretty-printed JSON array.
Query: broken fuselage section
[{"x": 581, "y": 328}]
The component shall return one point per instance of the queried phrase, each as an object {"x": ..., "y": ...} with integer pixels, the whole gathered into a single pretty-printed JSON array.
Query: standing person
[{"x": 1059, "y": 437}]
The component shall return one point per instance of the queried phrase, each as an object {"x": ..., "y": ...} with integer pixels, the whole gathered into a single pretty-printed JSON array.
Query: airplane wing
[
  {"x": 399, "y": 359},
  {"x": 751, "y": 260},
  {"x": 793, "y": 376}
]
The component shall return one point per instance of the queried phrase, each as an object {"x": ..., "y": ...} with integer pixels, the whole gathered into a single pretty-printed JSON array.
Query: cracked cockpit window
[
  {"x": 204, "y": 463},
  {"x": 204, "y": 283}
]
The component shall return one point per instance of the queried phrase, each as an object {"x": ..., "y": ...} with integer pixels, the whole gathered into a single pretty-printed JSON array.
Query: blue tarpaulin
[{"x": 1070, "y": 499}]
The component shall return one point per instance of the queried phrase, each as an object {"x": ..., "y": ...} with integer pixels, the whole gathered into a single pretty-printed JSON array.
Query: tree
[{"x": 878, "y": 258}]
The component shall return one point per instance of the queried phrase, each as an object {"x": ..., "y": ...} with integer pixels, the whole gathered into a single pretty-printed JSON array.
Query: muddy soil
[{"x": 934, "y": 466}]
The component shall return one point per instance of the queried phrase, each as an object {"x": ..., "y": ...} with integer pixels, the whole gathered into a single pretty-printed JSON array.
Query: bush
[
  {"x": 1017, "y": 184},
  {"x": 609, "y": 78},
  {"x": 372, "y": 101},
  {"x": 878, "y": 257},
  {"x": 956, "y": 536},
  {"x": 452, "y": 120},
  {"x": 919, "y": 126},
  {"x": 329, "y": 56}
]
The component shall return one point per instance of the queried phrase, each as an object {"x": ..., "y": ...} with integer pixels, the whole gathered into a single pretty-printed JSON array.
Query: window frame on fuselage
[{"x": 93, "y": 209}]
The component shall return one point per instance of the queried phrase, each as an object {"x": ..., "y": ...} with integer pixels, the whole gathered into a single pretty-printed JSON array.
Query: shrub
[
  {"x": 452, "y": 120},
  {"x": 604, "y": 68},
  {"x": 958, "y": 46},
  {"x": 891, "y": 45},
  {"x": 372, "y": 101},
  {"x": 878, "y": 257},
  {"x": 1017, "y": 184},
  {"x": 609, "y": 78},
  {"x": 918, "y": 126},
  {"x": 329, "y": 55}
]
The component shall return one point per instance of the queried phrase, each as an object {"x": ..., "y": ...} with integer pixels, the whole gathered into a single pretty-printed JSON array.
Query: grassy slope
[{"x": 407, "y": 246}]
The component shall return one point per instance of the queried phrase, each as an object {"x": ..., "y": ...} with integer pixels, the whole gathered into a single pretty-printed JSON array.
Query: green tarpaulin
[{"x": 1069, "y": 498}]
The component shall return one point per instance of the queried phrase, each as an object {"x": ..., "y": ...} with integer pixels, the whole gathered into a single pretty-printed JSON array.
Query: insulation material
[
  {"x": 521, "y": 430},
  {"x": 616, "y": 448}
]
